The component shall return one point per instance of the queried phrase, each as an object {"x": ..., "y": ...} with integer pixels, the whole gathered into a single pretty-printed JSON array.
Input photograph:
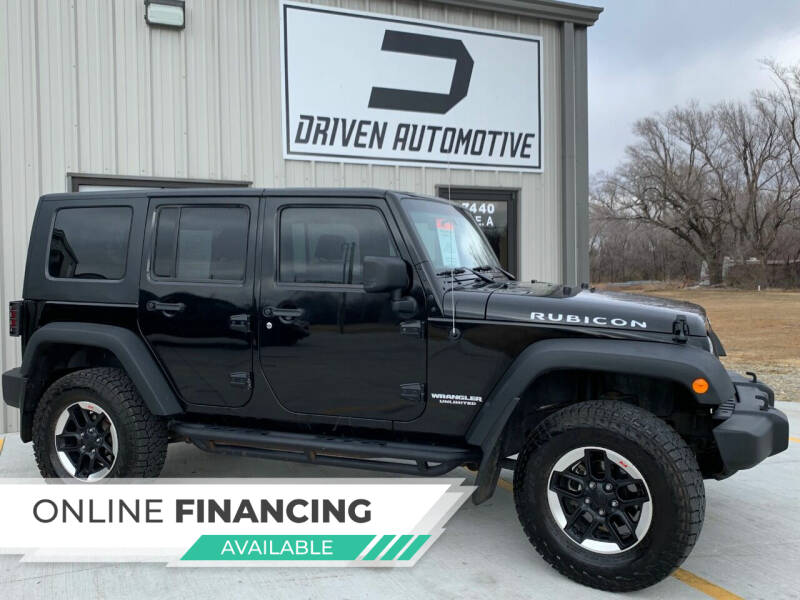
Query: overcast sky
[{"x": 646, "y": 56}]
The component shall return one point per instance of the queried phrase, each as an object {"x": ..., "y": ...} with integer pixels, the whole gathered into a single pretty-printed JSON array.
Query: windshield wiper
[
  {"x": 495, "y": 268},
  {"x": 460, "y": 270}
]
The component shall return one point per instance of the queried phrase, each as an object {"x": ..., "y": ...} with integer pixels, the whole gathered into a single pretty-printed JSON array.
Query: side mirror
[{"x": 385, "y": 274}]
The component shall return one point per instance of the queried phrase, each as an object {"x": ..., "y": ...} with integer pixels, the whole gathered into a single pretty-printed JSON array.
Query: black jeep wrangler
[{"x": 377, "y": 330}]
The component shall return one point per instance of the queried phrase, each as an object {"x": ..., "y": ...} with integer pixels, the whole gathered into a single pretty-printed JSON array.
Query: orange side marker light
[{"x": 700, "y": 386}]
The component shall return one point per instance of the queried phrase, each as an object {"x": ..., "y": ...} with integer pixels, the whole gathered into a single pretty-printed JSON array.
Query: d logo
[{"x": 425, "y": 45}]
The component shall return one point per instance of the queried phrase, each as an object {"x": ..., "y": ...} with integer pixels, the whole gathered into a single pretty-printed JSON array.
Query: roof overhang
[{"x": 550, "y": 10}]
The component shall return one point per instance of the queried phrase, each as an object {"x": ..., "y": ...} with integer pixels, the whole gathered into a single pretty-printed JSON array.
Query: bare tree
[
  {"x": 722, "y": 180},
  {"x": 667, "y": 182},
  {"x": 624, "y": 250},
  {"x": 758, "y": 180},
  {"x": 784, "y": 103}
]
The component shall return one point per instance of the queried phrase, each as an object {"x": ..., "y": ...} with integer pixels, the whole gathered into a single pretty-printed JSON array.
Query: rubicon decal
[
  {"x": 598, "y": 321},
  {"x": 338, "y": 522},
  {"x": 368, "y": 87}
]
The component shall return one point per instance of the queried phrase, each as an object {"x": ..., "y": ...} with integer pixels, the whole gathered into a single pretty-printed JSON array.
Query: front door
[
  {"x": 327, "y": 347},
  {"x": 196, "y": 304}
]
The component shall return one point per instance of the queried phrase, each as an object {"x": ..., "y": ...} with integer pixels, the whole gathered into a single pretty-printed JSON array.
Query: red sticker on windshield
[{"x": 444, "y": 224}]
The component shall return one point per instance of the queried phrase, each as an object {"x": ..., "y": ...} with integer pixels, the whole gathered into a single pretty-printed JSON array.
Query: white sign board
[
  {"x": 338, "y": 522},
  {"x": 374, "y": 88}
]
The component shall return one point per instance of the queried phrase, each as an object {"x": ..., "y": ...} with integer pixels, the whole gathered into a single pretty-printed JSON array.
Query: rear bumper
[
  {"x": 754, "y": 429},
  {"x": 14, "y": 387}
]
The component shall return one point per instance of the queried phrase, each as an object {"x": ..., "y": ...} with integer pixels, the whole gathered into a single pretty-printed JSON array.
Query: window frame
[
  {"x": 154, "y": 278},
  {"x": 349, "y": 287},
  {"x": 459, "y": 194},
  {"x": 126, "y": 247}
]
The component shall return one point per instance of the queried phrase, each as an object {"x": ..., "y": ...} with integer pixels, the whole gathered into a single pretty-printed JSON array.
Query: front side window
[
  {"x": 90, "y": 243},
  {"x": 201, "y": 243},
  {"x": 450, "y": 238},
  {"x": 328, "y": 245}
]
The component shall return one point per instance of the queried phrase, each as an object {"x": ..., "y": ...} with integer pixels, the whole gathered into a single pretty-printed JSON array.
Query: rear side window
[
  {"x": 90, "y": 243},
  {"x": 328, "y": 245},
  {"x": 201, "y": 243}
]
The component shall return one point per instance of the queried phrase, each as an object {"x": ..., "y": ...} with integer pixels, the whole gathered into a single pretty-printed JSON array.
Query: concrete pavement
[{"x": 749, "y": 547}]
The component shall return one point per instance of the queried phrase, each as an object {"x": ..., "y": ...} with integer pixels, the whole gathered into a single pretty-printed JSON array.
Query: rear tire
[
  {"x": 92, "y": 424},
  {"x": 609, "y": 495}
]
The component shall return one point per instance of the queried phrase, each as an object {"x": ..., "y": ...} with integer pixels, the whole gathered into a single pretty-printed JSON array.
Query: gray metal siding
[{"x": 87, "y": 87}]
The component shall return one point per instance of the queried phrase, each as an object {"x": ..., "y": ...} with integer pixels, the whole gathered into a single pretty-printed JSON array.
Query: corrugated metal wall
[{"x": 87, "y": 87}]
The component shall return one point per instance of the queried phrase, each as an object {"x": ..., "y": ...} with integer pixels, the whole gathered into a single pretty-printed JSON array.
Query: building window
[
  {"x": 90, "y": 243},
  {"x": 495, "y": 212},
  {"x": 328, "y": 245},
  {"x": 201, "y": 243}
]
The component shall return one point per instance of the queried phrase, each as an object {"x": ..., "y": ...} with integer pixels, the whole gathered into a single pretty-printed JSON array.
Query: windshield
[{"x": 450, "y": 238}]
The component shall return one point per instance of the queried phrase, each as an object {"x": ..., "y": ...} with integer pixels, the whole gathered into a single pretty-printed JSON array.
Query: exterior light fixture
[{"x": 165, "y": 13}]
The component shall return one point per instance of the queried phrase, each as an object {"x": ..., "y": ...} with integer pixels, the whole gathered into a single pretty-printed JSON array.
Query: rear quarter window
[{"x": 90, "y": 243}]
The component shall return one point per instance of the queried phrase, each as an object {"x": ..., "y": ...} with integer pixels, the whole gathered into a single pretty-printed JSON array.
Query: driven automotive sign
[{"x": 370, "y": 88}]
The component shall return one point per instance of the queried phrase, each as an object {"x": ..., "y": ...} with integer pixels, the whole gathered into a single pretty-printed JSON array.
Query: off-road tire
[
  {"x": 668, "y": 466},
  {"x": 142, "y": 436}
]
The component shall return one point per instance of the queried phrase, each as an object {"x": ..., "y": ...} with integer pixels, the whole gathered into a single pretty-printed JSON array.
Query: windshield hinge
[{"x": 680, "y": 329}]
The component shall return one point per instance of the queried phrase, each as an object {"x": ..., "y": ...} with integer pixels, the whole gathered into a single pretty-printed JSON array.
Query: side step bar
[{"x": 376, "y": 455}]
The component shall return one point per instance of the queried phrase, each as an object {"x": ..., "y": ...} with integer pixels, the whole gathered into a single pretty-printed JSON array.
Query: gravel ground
[{"x": 784, "y": 379}]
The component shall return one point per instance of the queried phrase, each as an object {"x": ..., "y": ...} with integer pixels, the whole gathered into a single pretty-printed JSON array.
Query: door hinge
[
  {"x": 412, "y": 328},
  {"x": 680, "y": 329},
  {"x": 413, "y": 392},
  {"x": 241, "y": 379},
  {"x": 240, "y": 323}
]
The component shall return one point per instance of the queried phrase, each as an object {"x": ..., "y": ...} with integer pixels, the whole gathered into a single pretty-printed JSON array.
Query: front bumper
[
  {"x": 14, "y": 387},
  {"x": 753, "y": 428}
]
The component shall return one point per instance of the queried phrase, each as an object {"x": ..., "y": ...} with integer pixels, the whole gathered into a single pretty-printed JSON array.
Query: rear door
[{"x": 196, "y": 304}]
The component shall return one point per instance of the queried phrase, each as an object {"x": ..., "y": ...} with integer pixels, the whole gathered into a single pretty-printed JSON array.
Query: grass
[{"x": 755, "y": 327}]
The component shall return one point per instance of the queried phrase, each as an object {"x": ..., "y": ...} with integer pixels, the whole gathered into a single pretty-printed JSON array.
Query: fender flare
[
  {"x": 680, "y": 363},
  {"x": 130, "y": 350}
]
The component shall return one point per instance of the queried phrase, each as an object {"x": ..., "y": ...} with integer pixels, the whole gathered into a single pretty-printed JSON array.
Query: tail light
[{"x": 14, "y": 317}]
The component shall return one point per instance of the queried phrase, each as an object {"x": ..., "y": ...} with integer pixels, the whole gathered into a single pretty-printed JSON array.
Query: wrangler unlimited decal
[
  {"x": 457, "y": 399},
  {"x": 586, "y": 320}
]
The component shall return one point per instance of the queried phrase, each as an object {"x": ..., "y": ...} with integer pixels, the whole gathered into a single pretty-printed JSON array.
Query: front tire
[
  {"x": 609, "y": 495},
  {"x": 92, "y": 424}
]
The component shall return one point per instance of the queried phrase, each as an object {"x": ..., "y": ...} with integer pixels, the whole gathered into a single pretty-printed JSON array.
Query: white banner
[
  {"x": 183, "y": 522},
  {"x": 376, "y": 88}
]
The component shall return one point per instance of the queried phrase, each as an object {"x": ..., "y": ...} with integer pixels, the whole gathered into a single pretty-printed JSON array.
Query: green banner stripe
[
  {"x": 418, "y": 543},
  {"x": 396, "y": 547},
  {"x": 278, "y": 547},
  {"x": 378, "y": 547}
]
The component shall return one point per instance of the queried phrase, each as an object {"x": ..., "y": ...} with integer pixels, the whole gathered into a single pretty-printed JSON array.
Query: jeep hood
[{"x": 546, "y": 303}]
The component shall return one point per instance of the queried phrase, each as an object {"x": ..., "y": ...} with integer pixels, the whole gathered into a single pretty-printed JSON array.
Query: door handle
[
  {"x": 289, "y": 313},
  {"x": 173, "y": 307}
]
